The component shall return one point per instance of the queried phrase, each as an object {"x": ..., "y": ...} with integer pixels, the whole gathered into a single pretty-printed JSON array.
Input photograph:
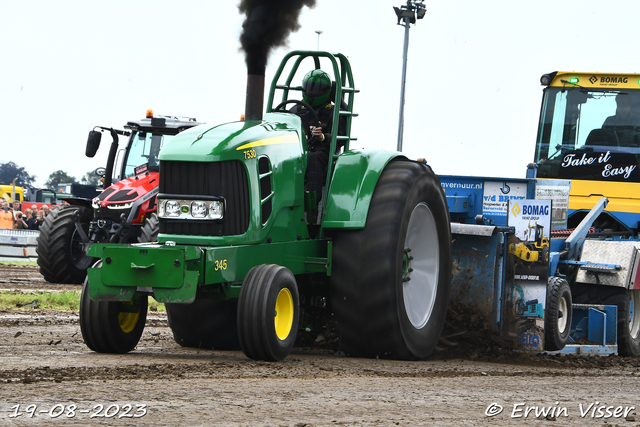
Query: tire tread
[{"x": 367, "y": 267}]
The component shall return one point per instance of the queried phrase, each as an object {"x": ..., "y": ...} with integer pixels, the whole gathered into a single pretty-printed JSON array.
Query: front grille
[
  {"x": 113, "y": 215},
  {"x": 226, "y": 179}
]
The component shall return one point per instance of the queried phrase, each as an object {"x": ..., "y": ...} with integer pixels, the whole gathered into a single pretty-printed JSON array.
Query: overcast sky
[{"x": 473, "y": 92}]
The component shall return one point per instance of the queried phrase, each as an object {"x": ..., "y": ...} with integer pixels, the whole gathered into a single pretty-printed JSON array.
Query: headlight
[
  {"x": 120, "y": 206},
  {"x": 191, "y": 209},
  {"x": 216, "y": 210},
  {"x": 172, "y": 208},
  {"x": 198, "y": 209}
]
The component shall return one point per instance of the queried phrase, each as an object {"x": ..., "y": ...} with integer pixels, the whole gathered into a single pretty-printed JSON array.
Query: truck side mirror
[{"x": 93, "y": 143}]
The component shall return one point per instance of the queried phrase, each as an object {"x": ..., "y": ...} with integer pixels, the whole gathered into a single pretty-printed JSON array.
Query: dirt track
[{"x": 44, "y": 363}]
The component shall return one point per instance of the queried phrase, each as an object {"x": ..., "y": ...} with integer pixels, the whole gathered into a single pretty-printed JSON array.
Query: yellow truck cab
[{"x": 589, "y": 133}]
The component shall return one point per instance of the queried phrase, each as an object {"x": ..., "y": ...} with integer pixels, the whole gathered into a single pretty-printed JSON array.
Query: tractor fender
[
  {"x": 355, "y": 176},
  {"x": 86, "y": 210}
]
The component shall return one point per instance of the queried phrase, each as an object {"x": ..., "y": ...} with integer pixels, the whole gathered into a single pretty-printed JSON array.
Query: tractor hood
[
  {"x": 127, "y": 196},
  {"x": 231, "y": 140},
  {"x": 128, "y": 190}
]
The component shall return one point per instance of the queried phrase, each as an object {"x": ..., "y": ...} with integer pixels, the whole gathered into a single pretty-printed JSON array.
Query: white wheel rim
[
  {"x": 563, "y": 314},
  {"x": 634, "y": 313},
  {"x": 421, "y": 266}
]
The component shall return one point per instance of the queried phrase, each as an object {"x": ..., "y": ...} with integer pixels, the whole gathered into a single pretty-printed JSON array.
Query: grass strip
[
  {"x": 18, "y": 263},
  {"x": 50, "y": 300}
]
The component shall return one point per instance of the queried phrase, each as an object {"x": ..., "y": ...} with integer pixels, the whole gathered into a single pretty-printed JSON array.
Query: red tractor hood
[
  {"x": 129, "y": 190},
  {"x": 135, "y": 196}
]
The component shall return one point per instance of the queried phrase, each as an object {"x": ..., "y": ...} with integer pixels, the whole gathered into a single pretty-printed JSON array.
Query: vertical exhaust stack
[
  {"x": 267, "y": 25},
  {"x": 255, "y": 97}
]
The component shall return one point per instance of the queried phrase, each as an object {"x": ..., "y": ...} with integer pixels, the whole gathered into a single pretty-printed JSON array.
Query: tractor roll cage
[{"x": 344, "y": 85}]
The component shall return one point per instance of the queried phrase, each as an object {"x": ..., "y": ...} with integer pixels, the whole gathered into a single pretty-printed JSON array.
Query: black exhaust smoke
[{"x": 267, "y": 25}]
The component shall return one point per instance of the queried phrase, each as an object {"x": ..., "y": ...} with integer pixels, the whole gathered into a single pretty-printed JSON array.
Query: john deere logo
[
  {"x": 593, "y": 79},
  {"x": 184, "y": 209},
  {"x": 515, "y": 210}
]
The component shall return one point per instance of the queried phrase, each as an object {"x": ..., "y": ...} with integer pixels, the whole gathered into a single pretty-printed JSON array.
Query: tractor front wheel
[
  {"x": 150, "y": 228},
  {"x": 111, "y": 326},
  {"x": 268, "y": 311},
  {"x": 60, "y": 249},
  {"x": 391, "y": 280}
]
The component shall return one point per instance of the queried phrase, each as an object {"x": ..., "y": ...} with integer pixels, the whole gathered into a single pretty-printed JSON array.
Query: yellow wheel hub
[
  {"x": 283, "y": 316},
  {"x": 128, "y": 321}
]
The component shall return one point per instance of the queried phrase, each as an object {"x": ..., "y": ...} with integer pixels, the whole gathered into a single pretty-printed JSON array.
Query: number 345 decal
[{"x": 220, "y": 264}]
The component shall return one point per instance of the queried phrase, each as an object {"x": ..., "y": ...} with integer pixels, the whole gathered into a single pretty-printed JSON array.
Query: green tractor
[{"x": 242, "y": 261}]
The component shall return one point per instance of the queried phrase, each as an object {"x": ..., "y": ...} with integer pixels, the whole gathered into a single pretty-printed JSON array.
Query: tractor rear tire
[
  {"x": 106, "y": 326},
  {"x": 391, "y": 281},
  {"x": 150, "y": 229},
  {"x": 268, "y": 312},
  {"x": 557, "y": 314},
  {"x": 60, "y": 253},
  {"x": 205, "y": 323}
]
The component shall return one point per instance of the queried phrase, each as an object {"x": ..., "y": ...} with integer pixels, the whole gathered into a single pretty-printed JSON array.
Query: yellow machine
[
  {"x": 534, "y": 251},
  {"x": 11, "y": 193},
  {"x": 589, "y": 133}
]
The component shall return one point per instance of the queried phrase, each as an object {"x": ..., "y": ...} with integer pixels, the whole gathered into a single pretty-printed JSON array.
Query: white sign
[{"x": 497, "y": 195}]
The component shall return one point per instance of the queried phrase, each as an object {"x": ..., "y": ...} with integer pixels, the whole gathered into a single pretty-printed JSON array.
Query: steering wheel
[{"x": 309, "y": 108}]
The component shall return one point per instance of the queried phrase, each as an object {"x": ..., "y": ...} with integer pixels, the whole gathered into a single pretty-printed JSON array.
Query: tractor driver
[{"x": 316, "y": 91}]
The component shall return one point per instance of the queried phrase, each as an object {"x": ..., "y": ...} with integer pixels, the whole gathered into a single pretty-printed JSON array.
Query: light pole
[
  {"x": 318, "y": 32},
  {"x": 407, "y": 15}
]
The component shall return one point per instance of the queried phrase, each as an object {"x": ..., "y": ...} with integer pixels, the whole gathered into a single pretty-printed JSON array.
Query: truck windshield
[
  {"x": 589, "y": 134},
  {"x": 144, "y": 148}
]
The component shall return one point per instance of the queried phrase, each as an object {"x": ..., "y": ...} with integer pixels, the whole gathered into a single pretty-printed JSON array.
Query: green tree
[
  {"x": 8, "y": 172},
  {"x": 91, "y": 178},
  {"x": 59, "y": 177}
]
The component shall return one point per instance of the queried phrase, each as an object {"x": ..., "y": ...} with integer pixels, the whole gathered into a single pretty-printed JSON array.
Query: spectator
[
  {"x": 29, "y": 219},
  {"x": 45, "y": 208},
  {"x": 13, "y": 213},
  {"x": 39, "y": 220},
  {"x": 20, "y": 224},
  {"x": 6, "y": 216}
]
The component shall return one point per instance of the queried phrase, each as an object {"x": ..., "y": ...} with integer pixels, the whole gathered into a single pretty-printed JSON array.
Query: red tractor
[{"x": 123, "y": 213}]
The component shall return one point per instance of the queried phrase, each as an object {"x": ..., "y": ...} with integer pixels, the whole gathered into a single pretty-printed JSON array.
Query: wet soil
[{"x": 46, "y": 371}]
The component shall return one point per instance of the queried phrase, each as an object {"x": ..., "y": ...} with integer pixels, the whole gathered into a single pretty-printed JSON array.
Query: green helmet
[{"x": 316, "y": 88}]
